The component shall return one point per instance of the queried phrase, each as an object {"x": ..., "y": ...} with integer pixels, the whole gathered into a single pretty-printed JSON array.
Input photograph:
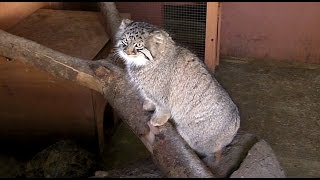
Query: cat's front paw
[
  {"x": 159, "y": 120},
  {"x": 157, "y": 123},
  {"x": 148, "y": 106}
]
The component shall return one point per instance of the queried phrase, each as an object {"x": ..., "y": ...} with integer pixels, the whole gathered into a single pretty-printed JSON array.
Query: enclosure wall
[{"x": 271, "y": 30}]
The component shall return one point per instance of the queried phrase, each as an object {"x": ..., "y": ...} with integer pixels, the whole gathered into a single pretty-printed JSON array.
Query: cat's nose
[{"x": 130, "y": 51}]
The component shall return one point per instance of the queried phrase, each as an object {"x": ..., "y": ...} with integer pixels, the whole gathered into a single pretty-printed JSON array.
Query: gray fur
[{"x": 179, "y": 85}]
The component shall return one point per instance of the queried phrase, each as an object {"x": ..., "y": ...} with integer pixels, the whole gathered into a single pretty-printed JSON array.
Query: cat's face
[{"x": 138, "y": 42}]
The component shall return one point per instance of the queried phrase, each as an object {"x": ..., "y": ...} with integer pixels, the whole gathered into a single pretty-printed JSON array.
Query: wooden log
[
  {"x": 261, "y": 162},
  {"x": 173, "y": 156},
  {"x": 112, "y": 18},
  {"x": 176, "y": 160}
]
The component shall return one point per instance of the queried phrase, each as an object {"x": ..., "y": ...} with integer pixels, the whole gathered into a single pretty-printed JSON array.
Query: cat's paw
[
  {"x": 153, "y": 129},
  {"x": 148, "y": 106},
  {"x": 159, "y": 121}
]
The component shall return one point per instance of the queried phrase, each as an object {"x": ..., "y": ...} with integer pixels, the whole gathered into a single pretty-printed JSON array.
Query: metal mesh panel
[{"x": 185, "y": 21}]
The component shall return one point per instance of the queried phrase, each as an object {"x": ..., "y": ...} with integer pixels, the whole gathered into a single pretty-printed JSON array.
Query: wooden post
[
  {"x": 219, "y": 33},
  {"x": 212, "y": 35}
]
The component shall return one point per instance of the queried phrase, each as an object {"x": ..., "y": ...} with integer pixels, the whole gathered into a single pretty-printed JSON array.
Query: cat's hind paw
[{"x": 153, "y": 129}]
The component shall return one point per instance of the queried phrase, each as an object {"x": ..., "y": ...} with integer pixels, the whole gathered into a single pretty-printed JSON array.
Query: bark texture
[{"x": 170, "y": 152}]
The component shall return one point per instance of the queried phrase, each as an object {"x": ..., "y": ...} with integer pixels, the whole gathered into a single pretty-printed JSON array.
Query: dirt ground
[{"x": 279, "y": 102}]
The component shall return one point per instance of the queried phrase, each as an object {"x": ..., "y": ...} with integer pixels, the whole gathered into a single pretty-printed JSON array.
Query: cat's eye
[{"x": 138, "y": 45}]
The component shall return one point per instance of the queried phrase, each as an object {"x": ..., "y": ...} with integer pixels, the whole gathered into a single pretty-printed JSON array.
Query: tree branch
[
  {"x": 49, "y": 60},
  {"x": 112, "y": 18},
  {"x": 173, "y": 156},
  {"x": 170, "y": 152}
]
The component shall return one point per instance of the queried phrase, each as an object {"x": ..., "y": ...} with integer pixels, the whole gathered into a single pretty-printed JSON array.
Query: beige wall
[
  {"x": 261, "y": 30},
  {"x": 13, "y": 12},
  {"x": 271, "y": 30}
]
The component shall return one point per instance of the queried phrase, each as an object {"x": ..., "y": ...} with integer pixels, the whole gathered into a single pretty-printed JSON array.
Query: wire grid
[{"x": 185, "y": 21}]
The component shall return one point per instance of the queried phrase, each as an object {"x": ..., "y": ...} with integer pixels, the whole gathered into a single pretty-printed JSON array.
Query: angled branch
[
  {"x": 53, "y": 62},
  {"x": 111, "y": 17},
  {"x": 173, "y": 156}
]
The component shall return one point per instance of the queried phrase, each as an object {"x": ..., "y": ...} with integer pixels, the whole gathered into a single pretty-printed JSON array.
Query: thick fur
[{"x": 179, "y": 85}]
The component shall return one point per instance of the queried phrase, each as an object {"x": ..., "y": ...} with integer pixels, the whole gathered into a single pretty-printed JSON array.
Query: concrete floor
[{"x": 279, "y": 102}]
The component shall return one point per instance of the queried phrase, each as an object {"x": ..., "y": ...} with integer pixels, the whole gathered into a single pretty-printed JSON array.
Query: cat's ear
[
  {"x": 158, "y": 36},
  {"x": 125, "y": 23}
]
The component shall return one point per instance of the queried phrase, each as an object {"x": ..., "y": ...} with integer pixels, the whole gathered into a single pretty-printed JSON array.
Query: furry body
[{"x": 180, "y": 87}]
